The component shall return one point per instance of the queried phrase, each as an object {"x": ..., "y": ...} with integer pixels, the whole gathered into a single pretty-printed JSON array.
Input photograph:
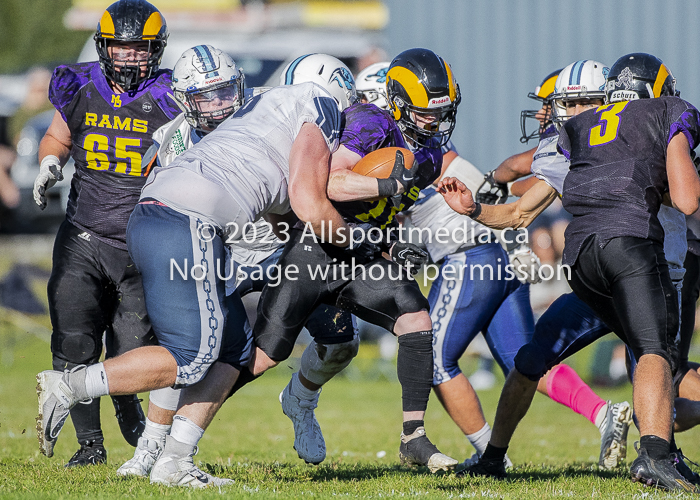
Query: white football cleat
[
  {"x": 613, "y": 435},
  {"x": 308, "y": 438},
  {"x": 55, "y": 401},
  {"x": 174, "y": 469},
  {"x": 146, "y": 453}
]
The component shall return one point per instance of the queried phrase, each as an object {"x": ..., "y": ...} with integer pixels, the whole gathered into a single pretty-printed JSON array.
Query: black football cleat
[
  {"x": 90, "y": 453},
  {"x": 659, "y": 473},
  {"x": 130, "y": 416},
  {"x": 494, "y": 468},
  {"x": 416, "y": 449},
  {"x": 679, "y": 461}
]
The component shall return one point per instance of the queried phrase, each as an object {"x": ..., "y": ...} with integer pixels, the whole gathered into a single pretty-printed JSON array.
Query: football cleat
[
  {"x": 613, "y": 435},
  {"x": 145, "y": 455},
  {"x": 173, "y": 469},
  {"x": 475, "y": 458},
  {"x": 487, "y": 468},
  {"x": 684, "y": 469},
  {"x": 55, "y": 401},
  {"x": 659, "y": 473},
  {"x": 130, "y": 416},
  {"x": 308, "y": 438},
  {"x": 416, "y": 449},
  {"x": 90, "y": 453}
]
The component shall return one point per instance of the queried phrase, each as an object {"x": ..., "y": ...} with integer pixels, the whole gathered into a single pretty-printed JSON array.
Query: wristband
[
  {"x": 387, "y": 187},
  {"x": 477, "y": 211}
]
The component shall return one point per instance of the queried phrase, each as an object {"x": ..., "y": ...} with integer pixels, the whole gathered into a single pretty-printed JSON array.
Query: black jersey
[
  {"x": 617, "y": 176},
  {"x": 110, "y": 134},
  {"x": 367, "y": 128}
]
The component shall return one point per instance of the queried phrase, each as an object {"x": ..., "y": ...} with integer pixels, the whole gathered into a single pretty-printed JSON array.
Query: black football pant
[{"x": 94, "y": 289}]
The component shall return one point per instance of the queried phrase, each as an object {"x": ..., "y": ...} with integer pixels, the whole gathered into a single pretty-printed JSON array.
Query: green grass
[{"x": 555, "y": 450}]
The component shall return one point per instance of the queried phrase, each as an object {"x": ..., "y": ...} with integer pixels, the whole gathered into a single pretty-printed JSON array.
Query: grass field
[{"x": 555, "y": 451}]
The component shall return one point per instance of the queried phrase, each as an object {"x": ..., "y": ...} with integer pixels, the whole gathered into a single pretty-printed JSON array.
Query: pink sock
[{"x": 565, "y": 387}]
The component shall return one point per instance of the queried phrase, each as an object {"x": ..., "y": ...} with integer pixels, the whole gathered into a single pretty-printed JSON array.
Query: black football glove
[
  {"x": 360, "y": 245},
  {"x": 408, "y": 255},
  {"x": 491, "y": 192},
  {"x": 400, "y": 176}
]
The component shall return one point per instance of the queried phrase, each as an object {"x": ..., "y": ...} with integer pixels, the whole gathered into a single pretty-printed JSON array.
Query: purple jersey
[
  {"x": 367, "y": 128},
  {"x": 617, "y": 174},
  {"x": 110, "y": 134}
]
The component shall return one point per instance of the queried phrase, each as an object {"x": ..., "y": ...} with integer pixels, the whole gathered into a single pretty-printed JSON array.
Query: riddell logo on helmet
[
  {"x": 213, "y": 80},
  {"x": 575, "y": 88},
  {"x": 438, "y": 101}
]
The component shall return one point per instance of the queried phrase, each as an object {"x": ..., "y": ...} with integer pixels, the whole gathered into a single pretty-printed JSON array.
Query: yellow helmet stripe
[
  {"x": 660, "y": 79},
  {"x": 411, "y": 84},
  {"x": 453, "y": 87},
  {"x": 153, "y": 26},
  {"x": 547, "y": 87},
  {"x": 107, "y": 25}
]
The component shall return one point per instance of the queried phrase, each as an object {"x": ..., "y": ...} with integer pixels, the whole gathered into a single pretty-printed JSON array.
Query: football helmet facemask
[
  {"x": 327, "y": 71},
  {"x": 639, "y": 76},
  {"x": 423, "y": 97},
  {"x": 371, "y": 84},
  {"x": 543, "y": 116},
  {"x": 579, "y": 81},
  {"x": 129, "y": 22},
  {"x": 208, "y": 86}
]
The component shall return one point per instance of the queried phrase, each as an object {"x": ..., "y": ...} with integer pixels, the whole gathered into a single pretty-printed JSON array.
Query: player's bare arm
[
  {"x": 309, "y": 164},
  {"x": 683, "y": 181},
  {"x": 57, "y": 140},
  {"x": 518, "y": 214},
  {"x": 514, "y": 167},
  {"x": 346, "y": 185}
]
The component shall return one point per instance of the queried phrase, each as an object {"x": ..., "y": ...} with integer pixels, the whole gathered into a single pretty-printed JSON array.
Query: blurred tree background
[{"x": 32, "y": 33}]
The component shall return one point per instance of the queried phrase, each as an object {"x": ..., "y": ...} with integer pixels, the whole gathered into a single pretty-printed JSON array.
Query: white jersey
[
  {"x": 240, "y": 171},
  {"x": 444, "y": 231},
  {"x": 551, "y": 166},
  {"x": 176, "y": 137}
]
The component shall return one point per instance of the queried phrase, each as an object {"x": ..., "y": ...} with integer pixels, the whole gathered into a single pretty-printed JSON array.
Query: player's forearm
[
  {"x": 514, "y": 167},
  {"x": 346, "y": 185},
  {"x": 520, "y": 213},
  {"x": 50, "y": 145},
  {"x": 325, "y": 221}
]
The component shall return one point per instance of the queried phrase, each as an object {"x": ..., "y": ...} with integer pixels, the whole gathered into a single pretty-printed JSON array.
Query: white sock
[
  {"x": 298, "y": 390},
  {"x": 186, "y": 431},
  {"x": 156, "y": 432},
  {"x": 600, "y": 418},
  {"x": 96, "y": 381},
  {"x": 480, "y": 438}
]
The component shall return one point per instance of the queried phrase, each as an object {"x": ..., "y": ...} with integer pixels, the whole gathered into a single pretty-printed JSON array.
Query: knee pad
[
  {"x": 320, "y": 362},
  {"x": 76, "y": 348},
  {"x": 682, "y": 371},
  {"x": 167, "y": 398},
  {"x": 530, "y": 363}
]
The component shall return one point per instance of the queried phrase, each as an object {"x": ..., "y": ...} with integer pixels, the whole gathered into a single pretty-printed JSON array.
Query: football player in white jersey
[
  {"x": 331, "y": 327},
  {"x": 270, "y": 158}
]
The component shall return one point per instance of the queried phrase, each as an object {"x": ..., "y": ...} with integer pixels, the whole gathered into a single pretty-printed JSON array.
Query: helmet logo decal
[
  {"x": 606, "y": 72},
  {"x": 381, "y": 75},
  {"x": 625, "y": 79},
  {"x": 343, "y": 77}
]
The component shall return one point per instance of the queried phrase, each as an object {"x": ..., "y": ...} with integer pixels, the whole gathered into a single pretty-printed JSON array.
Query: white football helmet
[
  {"x": 208, "y": 86},
  {"x": 327, "y": 71},
  {"x": 578, "y": 81},
  {"x": 371, "y": 84}
]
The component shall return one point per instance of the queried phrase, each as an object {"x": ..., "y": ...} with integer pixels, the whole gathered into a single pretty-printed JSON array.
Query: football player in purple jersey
[{"x": 105, "y": 114}]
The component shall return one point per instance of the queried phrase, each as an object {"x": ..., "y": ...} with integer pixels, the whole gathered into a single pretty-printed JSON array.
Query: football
[{"x": 380, "y": 163}]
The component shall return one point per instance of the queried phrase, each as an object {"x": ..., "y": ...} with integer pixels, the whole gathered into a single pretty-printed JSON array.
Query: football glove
[
  {"x": 408, "y": 255},
  {"x": 491, "y": 192},
  {"x": 526, "y": 264},
  {"x": 400, "y": 176},
  {"x": 360, "y": 245},
  {"x": 50, "y": 172}
]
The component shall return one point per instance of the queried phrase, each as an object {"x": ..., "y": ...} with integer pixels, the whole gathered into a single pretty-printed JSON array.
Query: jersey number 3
[
  {"x": 97, "y": 160},
  {"x": 606, "y": 130}
]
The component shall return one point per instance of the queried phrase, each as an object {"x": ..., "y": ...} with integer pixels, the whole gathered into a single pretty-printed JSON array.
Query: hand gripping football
[{"x": 380, "y": 163}]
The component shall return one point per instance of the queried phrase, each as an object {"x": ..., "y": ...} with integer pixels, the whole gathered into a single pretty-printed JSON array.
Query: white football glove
[
  {"x": 526, "y": 264},
  {"x": 50, "y": 172}
]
